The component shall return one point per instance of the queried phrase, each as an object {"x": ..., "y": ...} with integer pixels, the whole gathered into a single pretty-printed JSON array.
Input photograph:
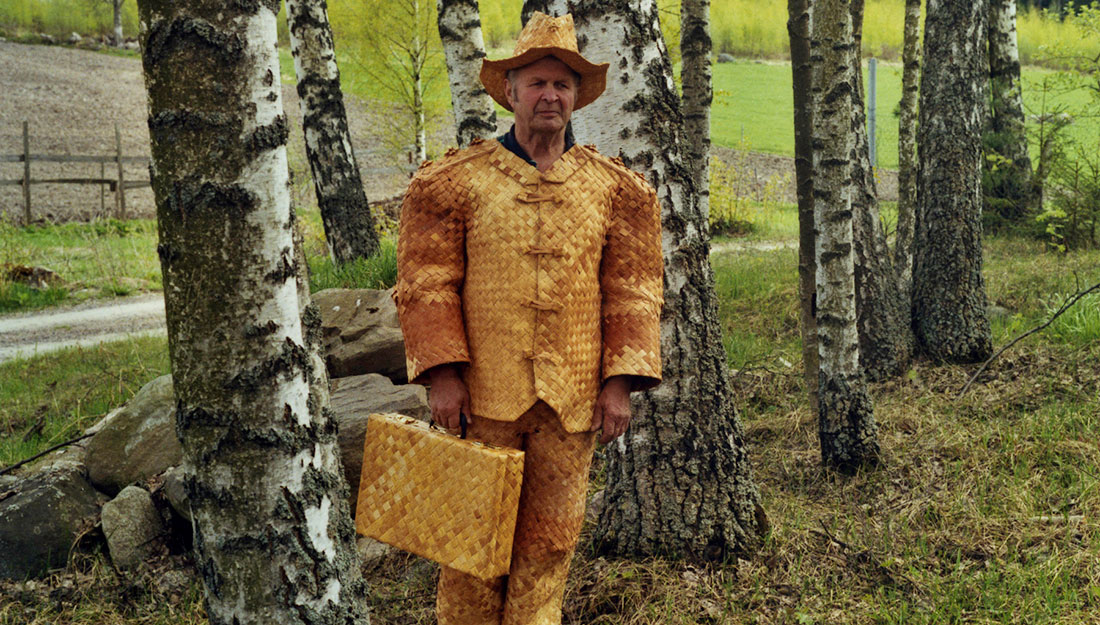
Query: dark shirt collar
[{"x": 508, "y": 140}]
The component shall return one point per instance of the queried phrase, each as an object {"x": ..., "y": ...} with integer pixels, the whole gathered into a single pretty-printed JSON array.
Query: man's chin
[{"x": 547, "y": 125}]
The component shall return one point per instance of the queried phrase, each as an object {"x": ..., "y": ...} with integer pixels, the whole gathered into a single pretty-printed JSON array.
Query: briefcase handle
[{"x": 462, "y": 424}]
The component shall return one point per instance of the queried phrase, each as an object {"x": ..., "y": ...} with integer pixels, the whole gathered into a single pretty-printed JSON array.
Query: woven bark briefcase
[{"x": 441, "y": 497}]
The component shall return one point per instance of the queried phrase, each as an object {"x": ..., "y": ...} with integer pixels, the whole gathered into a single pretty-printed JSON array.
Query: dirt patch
[{"x": 72, "y": 99}]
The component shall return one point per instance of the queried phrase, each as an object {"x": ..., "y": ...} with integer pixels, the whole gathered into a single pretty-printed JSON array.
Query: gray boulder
[
  {"x": 175, "y": 491},
  {"x": 41, "y": 518},
  {"x": 136, "y": 441},
  {"x": 132, "y": 526},
  {"x": 371, "y": 552},
  {"x": 74, "y": 38},
  {"x": 356, "y": 398},
  {"x": 726, "y": 58},
  {"x": 361, "y": 333}
]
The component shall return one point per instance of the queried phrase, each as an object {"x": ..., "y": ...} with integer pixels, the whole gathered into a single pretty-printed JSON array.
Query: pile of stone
[{"x": 123, "y": 486}]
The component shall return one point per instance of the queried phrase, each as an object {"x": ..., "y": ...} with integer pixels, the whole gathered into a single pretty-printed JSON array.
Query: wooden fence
[{"x": 118, "y": 184}]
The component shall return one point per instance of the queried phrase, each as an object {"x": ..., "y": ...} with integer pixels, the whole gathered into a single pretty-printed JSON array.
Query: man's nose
[{"x": 550, "y": 94}]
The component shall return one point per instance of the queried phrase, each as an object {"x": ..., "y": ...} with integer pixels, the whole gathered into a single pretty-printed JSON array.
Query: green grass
[
  {"x": 62, "y": 17},
  {"x": 70, "y": 390},
  {"x": 376, "y": 272},
  {"x": 764, "y": 115},
  {"x": 104, "y": 258}
]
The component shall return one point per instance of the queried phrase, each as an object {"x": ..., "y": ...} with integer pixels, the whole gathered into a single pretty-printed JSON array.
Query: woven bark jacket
[{"x": 543, "y": 284}]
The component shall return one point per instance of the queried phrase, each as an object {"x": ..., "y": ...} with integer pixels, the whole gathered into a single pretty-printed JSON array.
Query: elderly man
[{"x": 529, "y": 293}]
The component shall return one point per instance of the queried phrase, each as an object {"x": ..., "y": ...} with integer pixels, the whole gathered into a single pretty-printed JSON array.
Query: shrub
[{"x": 738, "y": 198}]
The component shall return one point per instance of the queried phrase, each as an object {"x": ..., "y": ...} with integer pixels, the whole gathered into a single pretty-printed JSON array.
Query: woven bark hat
[{"x": 546, "y": 36}]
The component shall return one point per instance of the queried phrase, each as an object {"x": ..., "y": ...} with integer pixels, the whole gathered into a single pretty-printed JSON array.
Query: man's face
[{"x": 542, "y": 95}]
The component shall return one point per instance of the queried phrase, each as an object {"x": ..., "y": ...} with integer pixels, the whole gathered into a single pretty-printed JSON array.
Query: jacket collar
[{"x": 520, "y": 169}]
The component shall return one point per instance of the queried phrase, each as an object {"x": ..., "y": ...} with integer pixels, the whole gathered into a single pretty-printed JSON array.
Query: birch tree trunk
[
  {"x": 349, "y": 227},
  {"x": 464, "y": 48},
  {"x": 695, "y": 46},
  {"x": 678, "y": 482},
  {"x": 846, "y": 423},
  {"x": 907, "y": 151},
  {"x": 117, "y": 6},
  {"x": 799, "y": 14},
  {"x": 417, "y": 60},
  {"x": 273, "y": 537},
  {"x": 950, "y": 314},
  {"x": 885, "y": 338},
  {"x": 1011, "y": 188}
]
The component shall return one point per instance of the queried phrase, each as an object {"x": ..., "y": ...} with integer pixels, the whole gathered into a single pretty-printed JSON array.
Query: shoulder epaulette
[{"x": 454, "y": 156}]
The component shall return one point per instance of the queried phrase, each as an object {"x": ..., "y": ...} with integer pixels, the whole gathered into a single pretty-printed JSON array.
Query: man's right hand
[{"x": 448, "y": 397}]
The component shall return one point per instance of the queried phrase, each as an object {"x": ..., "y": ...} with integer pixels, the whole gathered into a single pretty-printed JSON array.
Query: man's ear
[{"x": 508, "y": 94}]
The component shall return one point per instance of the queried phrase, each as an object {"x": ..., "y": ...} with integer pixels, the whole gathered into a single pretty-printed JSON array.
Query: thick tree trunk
[
  {"x": 345, "y": 213},
  {"x": 695, "y": 46},
  {"x": 679, "y": 481},
  {"x": 949, "y": 302},
  {"x": 846, "y": 423},
  {"x": 798, "y": 29},
  {"x": 885, "y": 337},
  {"x": 460, "y": 31},
  {"x": 1011, "y": 190},
  {"x": 117, "y": 6},
  {"x": 274, "y": 542},
  {"x": 907, "y": 151}
]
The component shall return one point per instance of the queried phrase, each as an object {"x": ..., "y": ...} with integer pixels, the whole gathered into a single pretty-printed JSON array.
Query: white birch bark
[
  {"x": 1009, "y": 132},
  {"x": 679, "y": 481},
  {"x": 272, "y": 529},
  {"x": 464, "y": 48},
  {"x": 116, "y": 5},
  {"x": 349, "y": 227},
  {"x": 882, "y": 318},
  {"x": 695, "y": 76},
  {"x": 950, "y": 316},
  {"x": 799, "y": 16},
  {"x": 907, "y": 150},
  {"x": 846, "y": 424}
]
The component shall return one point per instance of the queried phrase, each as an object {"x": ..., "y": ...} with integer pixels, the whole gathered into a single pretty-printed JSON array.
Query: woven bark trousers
[{"x": 551, "y": 511}]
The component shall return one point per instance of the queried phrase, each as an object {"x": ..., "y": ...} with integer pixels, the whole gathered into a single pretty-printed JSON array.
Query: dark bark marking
[
  {"x": 291, "y": 361},
  {"x": 164, "y": 38},
  {"x": 287, "y": 268},
  {"x": 267, "y": 137}
]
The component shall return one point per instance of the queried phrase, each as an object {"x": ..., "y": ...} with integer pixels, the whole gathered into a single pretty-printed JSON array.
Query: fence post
[
  {"x": 26, "y": 174},
  {"x": 121, "y": 195},
  {"x": 102, "y": 200}
]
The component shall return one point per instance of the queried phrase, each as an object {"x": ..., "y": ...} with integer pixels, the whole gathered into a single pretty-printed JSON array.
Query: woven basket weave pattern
[
  {"x": 440, "y": 497},
  {"x": 545, "y": 282}
]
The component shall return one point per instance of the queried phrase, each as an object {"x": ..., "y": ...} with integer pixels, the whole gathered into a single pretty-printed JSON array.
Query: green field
[{"x": 764, "y": 114}]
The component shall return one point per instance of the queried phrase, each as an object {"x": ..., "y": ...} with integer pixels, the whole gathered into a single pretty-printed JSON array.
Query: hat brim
[{"x": 593, "y": 75}]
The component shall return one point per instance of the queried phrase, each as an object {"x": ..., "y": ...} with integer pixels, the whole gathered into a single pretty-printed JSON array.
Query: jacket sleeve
[
  {"x": 631, "y": 281},
  {"x": 431, "y": 266}
]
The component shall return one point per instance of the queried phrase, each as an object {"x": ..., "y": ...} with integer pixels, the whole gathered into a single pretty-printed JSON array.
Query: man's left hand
[{"x": 612, "y": 413}]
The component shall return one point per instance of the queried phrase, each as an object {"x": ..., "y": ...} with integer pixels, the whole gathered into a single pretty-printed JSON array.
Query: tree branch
[
  {"x": 15, "y": 466},
  {"x": 1058, "y": 313}
]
